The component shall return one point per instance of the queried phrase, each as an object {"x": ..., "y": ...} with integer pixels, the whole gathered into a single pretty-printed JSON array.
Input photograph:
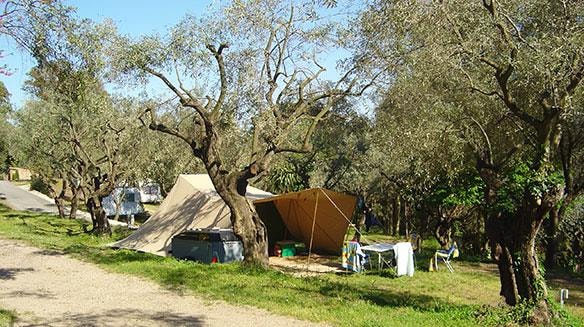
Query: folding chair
[
  {"x": 353, "y": 258},
  {"x": 445, "y": 256}
]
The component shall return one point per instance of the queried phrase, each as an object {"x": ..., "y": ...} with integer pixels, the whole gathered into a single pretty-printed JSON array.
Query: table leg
[{"x": 379, "y": 261}]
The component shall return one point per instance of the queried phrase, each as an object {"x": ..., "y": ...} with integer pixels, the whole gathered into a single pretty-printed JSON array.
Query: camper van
[
  {"x": 150, "y": 193},
  {"x": 127, "y": 199}
]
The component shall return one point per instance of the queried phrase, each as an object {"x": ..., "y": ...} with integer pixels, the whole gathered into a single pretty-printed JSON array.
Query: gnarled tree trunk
[
  {"x": 246, "y": 222},
  {"x": 60, "y": 199},
  {"x": 74, "y": 202},
  {"x": 512, "y": 239},
  {"x": 99, "y": 219}
]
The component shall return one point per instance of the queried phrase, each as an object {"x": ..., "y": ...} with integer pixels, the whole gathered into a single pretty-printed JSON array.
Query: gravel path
[
  {"x": 50, "y": 289},
  {"x": 19, "y": 198}
]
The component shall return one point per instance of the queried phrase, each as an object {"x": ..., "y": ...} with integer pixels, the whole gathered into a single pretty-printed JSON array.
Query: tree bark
[
  {"x": 512, "y": 239},
  {"x": 395, "y": 216},
  {"x": 60, "y": 200},
  {"x": 442, "y": 231},
  {"x": 74, "y": 202},
  {"x": 99, "y": 219},
  {"x": 246, "y": 222},
  {"x": 60, "y": 203}
]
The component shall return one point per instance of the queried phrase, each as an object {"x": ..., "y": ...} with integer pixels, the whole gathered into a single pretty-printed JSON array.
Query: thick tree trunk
[
  {"x": 442, "y": 231},
  {"x": 246, "y": 222},
  {"x": 513, "y": 248},
  {"x": 60, "y": 203},
  {"x": 512, "y": 239},
  {"x": 74, "y": 203},
  {"x": 251, "y": 229},
  {"x": 60, "y": 200},
  {"x": 99, "y": 219},
  {"x": 395, "y": 216}
]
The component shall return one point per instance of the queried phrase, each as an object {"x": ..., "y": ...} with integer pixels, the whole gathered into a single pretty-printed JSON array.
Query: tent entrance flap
[{"x": 275, "y": 227}]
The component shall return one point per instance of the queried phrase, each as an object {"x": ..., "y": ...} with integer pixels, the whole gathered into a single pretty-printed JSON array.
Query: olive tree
[
  {"x": 513, "y": 68},
  {"x": 86, "y": 136},
  {"x": 5, "y": 127},
  {"x": 250, "y": 72}
]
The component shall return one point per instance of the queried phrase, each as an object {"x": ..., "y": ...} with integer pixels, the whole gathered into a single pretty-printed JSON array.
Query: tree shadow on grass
[{"x": 384, "y": 297}]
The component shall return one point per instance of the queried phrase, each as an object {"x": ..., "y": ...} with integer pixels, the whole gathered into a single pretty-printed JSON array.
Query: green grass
[
  {"x": 467, "y": 297},
  {"x": 151, "y": 208},
  {"x": 7, "y": 318}
]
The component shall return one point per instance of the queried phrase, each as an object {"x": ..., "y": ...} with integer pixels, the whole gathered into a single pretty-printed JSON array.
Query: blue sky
[{"x": 134, "y": 17}]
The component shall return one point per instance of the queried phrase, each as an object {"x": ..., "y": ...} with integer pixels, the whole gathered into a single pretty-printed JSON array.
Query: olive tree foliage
[
  {"x": 339, "y": 146},
  {"x": 5, "y": 130},
  {"x": 22, "y": 20},
  {"x": 571, "y": 155},
  {"x": 413, "y": 146},
  {"x": 160, "y": 158},
  {"x": 513, "y": 68},
  {"x": 84, "y": 133},
  {"x": 249, "y": 78}
]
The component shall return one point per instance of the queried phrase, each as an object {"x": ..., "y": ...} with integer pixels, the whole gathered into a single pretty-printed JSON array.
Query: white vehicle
[
  {"x": 124, "y": 200},
  {"x": 150, "y": 193}
]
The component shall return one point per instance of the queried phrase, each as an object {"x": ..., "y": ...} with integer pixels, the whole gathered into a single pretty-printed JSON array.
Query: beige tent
[
  {"x": 192, "y": 203},
  {"x": 317, "y": 217},
  {"x": 317, "y": 214}
]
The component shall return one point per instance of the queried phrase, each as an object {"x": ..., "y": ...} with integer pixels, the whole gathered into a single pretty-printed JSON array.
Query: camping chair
[
  {"x": 353, "y": 257},
  {"x": 445, "y": 256}
]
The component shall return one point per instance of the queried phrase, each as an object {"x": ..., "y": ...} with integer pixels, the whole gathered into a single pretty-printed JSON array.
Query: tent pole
[
  {"x": 312, "y": 232},
  {"x": 347, "y": 219}
]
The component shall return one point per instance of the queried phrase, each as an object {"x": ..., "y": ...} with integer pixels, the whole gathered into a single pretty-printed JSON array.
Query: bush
[
  {"x": 571, "y": 235},
  {"x": 37, "y": 184}
]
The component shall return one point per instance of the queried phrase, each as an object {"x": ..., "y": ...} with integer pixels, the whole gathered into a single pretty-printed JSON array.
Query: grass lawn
[
  {"x": 151, "y": 208},
  {"x": 7, "y": 317},
  {"x": 467, "y": 297}
]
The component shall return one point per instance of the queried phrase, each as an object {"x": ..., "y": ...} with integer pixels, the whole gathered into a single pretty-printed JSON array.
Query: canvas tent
[
  {"x": 317, "y": 214},
  {"x": 191, "y": 203},
  {"x": 317, "y": 217}
]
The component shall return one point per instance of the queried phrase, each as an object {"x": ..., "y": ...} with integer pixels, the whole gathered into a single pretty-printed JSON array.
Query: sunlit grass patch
[
  {"x": 7, "y": 317},
  {"x": 467, "y": 297}
]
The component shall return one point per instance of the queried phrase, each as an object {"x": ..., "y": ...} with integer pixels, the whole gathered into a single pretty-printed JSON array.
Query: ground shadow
[
  {"x": 48, "y": 252},
  {"x": 121, "y": 317},
  {"x": 10, "y": 273},
  {"x": 37, "y": 294}
]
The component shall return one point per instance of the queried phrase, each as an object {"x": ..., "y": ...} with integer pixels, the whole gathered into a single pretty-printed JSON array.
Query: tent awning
[{"x": 318, "y": 215}]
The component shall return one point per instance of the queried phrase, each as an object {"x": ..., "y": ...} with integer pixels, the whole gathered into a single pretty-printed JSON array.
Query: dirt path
[
  {"x": 51, "y": 289},
  {"x": 19, "y": 198}
]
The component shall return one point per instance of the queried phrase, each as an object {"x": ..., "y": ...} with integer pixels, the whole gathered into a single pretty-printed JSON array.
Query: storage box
[
  {"x": 207, "y": 245},
  {"x": 288, "y": 248}
]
